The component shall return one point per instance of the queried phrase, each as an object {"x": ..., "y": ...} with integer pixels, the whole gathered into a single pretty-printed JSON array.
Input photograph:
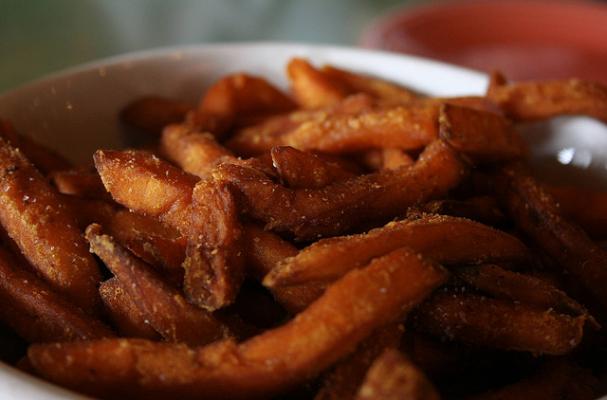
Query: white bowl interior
[{"x": 75, "y": 112}]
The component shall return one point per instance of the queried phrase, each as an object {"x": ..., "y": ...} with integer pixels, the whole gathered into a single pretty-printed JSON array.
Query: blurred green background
[{"x": 42, "y": 36}]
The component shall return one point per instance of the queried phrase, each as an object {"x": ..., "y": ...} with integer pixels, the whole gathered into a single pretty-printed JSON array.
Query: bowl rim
[{"x": 162, "y": 51}]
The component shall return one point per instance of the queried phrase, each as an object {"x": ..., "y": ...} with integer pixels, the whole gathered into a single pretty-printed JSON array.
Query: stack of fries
[{"x": 351, "y": 240}]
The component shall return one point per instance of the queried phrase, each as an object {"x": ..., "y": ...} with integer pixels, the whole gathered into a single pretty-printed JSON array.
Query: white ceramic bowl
[{"x": 75, "y": 112}]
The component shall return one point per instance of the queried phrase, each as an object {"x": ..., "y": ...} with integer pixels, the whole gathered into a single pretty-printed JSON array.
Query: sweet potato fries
[{"x": 352, "y": 239}]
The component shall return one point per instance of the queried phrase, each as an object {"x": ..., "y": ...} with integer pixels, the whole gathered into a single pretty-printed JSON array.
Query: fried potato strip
[
  {"x": 235, "y": 97},
  {"x": 360, "y": 83},
  {"x": 527, "y": 289},
  {"x": 400, "y": 127},
  {"x": 45, "y": 159},
  {"x": 483, "y": 136},
  {"x": 299, "y": 169},
  {"x": 311, "y": 87},
  {"x": 154, "y": 242},
  {"x": 262, "y": 251},
  {"x": 345, "y": 378},
  {"x": 528, "y": 101},
  {"x": 393, "y": 376},
  {"x": 144, "y": 184},
  {"x": 152, "y": 113},
  {"x": 79, "y": 182},
  {"x": 37, "y": 219},
  {"x": 277, "y": 359},
  {"x": 37, "y": 313},
  {"x": 537, "y": 214},
  {"x": 483, "y": 209},
  {"x": 195, "y": 152},
  {"x": 263, "y": 136},
  {"x": 214, "y": 264},
  {"x": 165, "y": 309},
  {"x": 341, "y": 206},
  {"x": 124, "y": 313},
  {"x": 500, "y": 324},
  {"x": 444, "y": 239}
]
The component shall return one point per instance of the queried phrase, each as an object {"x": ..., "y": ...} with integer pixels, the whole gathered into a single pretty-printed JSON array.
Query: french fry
[
  {"x": 195, "y": 152},
  {"x": 214, "y": 264},
  {"x": 149, "y": 239},
  {"x": 300, "y": 169},
  {"x": 35, "y": 217},
  {"x": 235, "y": 97},
  {"x": 124, "y": 313},
  {"x": 79, "y": 182},
  {"x": 277, "y": 359},
  {"x": 483, "y": 209},
  {"x": 504, "y": 284},
  {"x": 144, "y": 184},
  {"x": 344, "y": 379},
  {"x": 401, "y": 127},
  {"x": 483, "y": 136},
  {"x": 262, "y": 251},
  {"x": 528, "y": 101},
  {"x": 311, "y": 87},
  {"x": 584, "y": 206},
  {"x": 500, "y": 324},
  {"x": 45, "y": 159},
  {"x": 339, "y": 207},
  {"x": 263, "y": 136},
  {"x": 360, "y": 83},
  {"x": 393, "y": 376},
  {"x": 553, "y": 381},
  {"x": 444, "y": 239},
  {"x": 88, "y": 211},
  {"x": 37, "y": 313},
  {"x": 165, "y": 309},
  {"x": 152, "y": 113},
  {"x": 537, "y": 214},
  {"x": 175, "y": 204}
]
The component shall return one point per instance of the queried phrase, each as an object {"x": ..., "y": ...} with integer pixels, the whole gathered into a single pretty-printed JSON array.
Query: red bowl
[{"x": 526, "y": 39}]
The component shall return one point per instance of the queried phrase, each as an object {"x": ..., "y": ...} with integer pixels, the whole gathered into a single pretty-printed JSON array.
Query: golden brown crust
[
  {"x": 236, "y": 97},
  {"x": 311, "y": 87},
  {"x": 443, "y": 239},
  {"x": 536, "y": 213},
  {"x": 163, "y": 306},
  {"x": 124, "y": 313},
  {"x": 37, "y": 219},
  {"x": 500, "y": 324},
  {"x": 401, "y": 127},
  {"x": 299, "y": 169},
  {"x": 79, "y": 182},
  {"x": 483, "y": 136},
  {"x": 376, "y": 87},
  {"x": 143, "y": 183},
  {"x": 37, "y": 313},
  {"x": 195, "y": 152},
  {"x": 528, "y": 101},
  {"x": 341, "y": 206},
  {"x": 214, "y": 264},
  {"x": 388, "y": 288}
]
